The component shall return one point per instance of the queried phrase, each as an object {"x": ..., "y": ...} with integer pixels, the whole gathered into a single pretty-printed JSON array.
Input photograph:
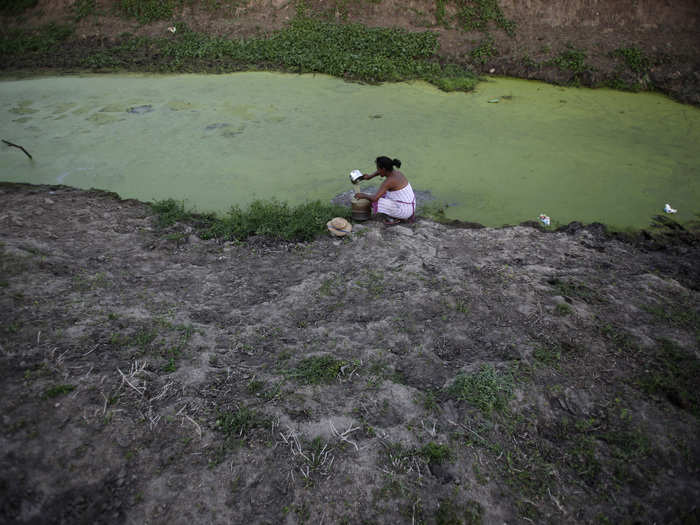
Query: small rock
[{"x": 48, "y": 201}]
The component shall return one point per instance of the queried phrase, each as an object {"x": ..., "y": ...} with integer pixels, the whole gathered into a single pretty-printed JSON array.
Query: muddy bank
[
  {"x": 630, "y": 44},
  {"x": 414, "y": 374}
]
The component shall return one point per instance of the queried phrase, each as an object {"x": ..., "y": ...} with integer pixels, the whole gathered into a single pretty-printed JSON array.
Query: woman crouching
[{"x": 395, "y": 197}]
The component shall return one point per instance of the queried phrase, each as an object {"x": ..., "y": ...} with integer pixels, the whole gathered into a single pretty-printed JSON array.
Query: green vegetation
[
  {"x": 634, "y": 58},
  {"x": 474, "y": 15},
  {"x": 42, "y": 40},
  {"x": 574, "y": 289},
  {"x": 146, "y": 11},
  {"x": 563, "y": 309},
  {"x": 83, "y": 8},
  {"x": 484, "y": 50},
  {"x": 58, "y": 390},
  {"x": 237, "y": 424},
  {"x": 451, "y": 512},
  {"x": 318, "y": 369},
  {"x": 487, "y": 389},
  {"x": 307, "y": 45},
  {"x": 572, "y": 60},
  {"x": 268, "y": 218},
  {"x": 435, "y": 453}
]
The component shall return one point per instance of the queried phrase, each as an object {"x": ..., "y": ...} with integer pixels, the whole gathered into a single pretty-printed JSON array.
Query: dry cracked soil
[{"x": 423, "y": 373}]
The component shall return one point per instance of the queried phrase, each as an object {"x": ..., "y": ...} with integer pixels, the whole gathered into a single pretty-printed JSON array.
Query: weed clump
[
  {"x": 318, "y": 369},
  {"x": 486, "y": 389}
]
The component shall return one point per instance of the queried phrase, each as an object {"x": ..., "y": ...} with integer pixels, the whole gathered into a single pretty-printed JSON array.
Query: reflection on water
[{"x": 214, "y": 141}]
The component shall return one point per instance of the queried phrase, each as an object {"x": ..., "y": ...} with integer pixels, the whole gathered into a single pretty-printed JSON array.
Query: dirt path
[{"x": 420, "y": 374}]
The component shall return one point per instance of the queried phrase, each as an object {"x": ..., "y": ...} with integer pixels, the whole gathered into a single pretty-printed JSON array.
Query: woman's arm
[
  {"x": 380, "y": 192},
  {"x": 367, "y": 177}
]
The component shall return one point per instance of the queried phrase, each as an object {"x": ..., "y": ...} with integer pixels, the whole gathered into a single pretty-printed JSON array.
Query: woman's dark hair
[{"x": 387, "y": 164}]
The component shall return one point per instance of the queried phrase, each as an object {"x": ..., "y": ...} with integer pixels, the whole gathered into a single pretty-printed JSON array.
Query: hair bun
[{"x": 397, "y": 163}]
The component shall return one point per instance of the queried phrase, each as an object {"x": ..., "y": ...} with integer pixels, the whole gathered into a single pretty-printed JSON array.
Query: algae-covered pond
[{"x": 505, "y": 153}]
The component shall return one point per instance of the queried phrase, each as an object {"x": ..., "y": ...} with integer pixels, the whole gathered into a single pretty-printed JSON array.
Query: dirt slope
[
  {"x": 420, "y": 374},
  {"x": 545, "y": 34}
]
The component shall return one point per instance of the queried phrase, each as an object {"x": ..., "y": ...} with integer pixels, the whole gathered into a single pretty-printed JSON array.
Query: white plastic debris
[
  {"x": 668, "y": 208},
  {"x": 172, "y": 29},
  {"x": 545, "y": 220}
]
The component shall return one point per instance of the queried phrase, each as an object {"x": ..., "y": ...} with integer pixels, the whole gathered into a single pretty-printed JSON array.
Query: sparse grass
[
  {"x": 318, "y": 369},
  {"x": 487, "y": 389},
  {"x": 548, "y": 356},
  {"x": 58, "y": 390},
  {"x": 563, "y": 309},
  {"x": 454, "y": 512},
  {"x": 147, "y": 11},
  {"x": 673, "y": 374},
  {"x": 574, "y": 289},
  {"x": 236, "y": 425}
]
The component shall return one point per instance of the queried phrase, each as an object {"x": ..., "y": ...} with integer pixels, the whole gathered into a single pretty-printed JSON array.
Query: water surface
[{"x": 214, "y": 141}]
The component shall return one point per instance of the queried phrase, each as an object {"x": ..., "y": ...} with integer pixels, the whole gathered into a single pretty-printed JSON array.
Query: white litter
[
  {"x": 172, "y": 29},
  {"x": 668, "y": 209},
  {"x": 545, "y": 220}
]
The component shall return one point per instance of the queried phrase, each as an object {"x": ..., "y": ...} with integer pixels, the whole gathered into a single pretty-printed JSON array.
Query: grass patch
[
  {"x": 236, "y": 426},
  {"x": 548, "y": 356},
  {"x": 487, "y": 389},
  {"x": 268, "y": 218},
  {"x": 58, "y": 390},
  {"x": 318, "y": 369},
  {"x": 574, "y": 289},
  {"x": 146, "y": 11},
  {"x": 435, "y": 453}
]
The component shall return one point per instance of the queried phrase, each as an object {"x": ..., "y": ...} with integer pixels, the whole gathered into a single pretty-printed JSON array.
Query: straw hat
[{"x": 339, "y": 227}]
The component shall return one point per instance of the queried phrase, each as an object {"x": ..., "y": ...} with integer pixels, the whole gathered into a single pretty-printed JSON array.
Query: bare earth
[{"x": 152, "y": 377}]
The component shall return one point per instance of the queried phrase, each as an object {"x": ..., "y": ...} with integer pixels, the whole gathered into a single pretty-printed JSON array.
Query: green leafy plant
[
  {"x": 635, "y": 59},
  {"x": 484, "y": 50}
]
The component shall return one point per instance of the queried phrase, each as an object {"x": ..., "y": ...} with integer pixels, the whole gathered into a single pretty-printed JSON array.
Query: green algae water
[{"x": 503, "y": 154}]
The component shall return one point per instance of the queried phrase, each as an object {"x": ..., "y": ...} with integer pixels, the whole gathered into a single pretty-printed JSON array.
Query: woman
[{"x": 395, "y": 197}]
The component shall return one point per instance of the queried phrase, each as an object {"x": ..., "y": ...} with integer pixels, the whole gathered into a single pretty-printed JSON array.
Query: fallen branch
[{"x": 17, "y": 146}]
